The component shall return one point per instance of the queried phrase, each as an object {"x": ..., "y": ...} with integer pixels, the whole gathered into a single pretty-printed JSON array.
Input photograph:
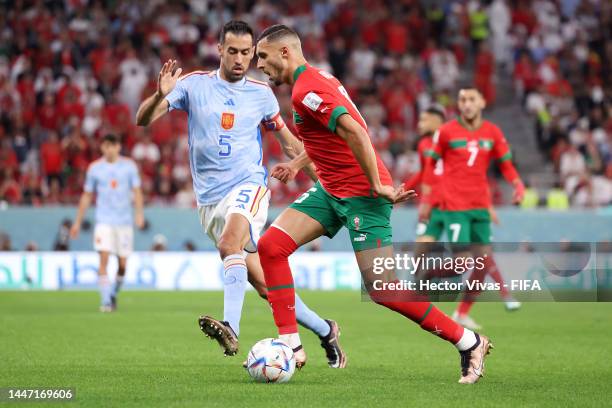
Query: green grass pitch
[{"x": 151, "y": 353}]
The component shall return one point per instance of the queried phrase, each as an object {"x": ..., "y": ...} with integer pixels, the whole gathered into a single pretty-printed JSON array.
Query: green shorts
[
  {"x": 468, "y": 227},
  {"x": 432, "y": 228},
  {"x": 367, "y": 219}
]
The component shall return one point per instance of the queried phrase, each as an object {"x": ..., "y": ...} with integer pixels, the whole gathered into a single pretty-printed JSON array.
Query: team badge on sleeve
[
  {"x": 227, "y": 120},
  {"x": 312, "y": 100}
]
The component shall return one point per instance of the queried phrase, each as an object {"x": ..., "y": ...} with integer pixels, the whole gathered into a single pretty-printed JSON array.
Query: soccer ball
[{"x": 271, "y": 360}]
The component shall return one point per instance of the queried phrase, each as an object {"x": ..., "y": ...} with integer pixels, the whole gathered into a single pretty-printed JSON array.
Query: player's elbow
[{"x": 141, "y": 120}]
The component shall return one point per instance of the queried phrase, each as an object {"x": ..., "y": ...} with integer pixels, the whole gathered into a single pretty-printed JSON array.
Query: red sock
[
  {"x": 425, "y": 314},
  {"x": 274, "y": 248},
  {"x": 464, "y": 307},
  {"x": 477, "y": 275},
  {"x": 497, "y": 277}
]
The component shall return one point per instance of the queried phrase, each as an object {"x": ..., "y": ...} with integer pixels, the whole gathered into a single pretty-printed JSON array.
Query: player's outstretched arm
[
  {"x": 138, "y": 208},
  {"x": 84, "y": 203},
  {"x": 359, "y": 142},
  {"x": 511, "y": 175},
  {"x": 503, "y": 156},
  {"x": 293, "y": 148},
  {"x": 155, "y": 106}
]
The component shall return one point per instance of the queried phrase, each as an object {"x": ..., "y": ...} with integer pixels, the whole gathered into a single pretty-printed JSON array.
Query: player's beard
[
  {"x": 469, "y": 116},
  {"x": 277, "y": 70},
  {"x": 233, "y": 77}
]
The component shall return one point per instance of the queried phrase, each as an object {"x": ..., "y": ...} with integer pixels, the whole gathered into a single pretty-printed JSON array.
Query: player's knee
[
  {"x": 266, "y": 247},
  {"x": 228, "y": 245},
  {"x": 275, "y": 245}
]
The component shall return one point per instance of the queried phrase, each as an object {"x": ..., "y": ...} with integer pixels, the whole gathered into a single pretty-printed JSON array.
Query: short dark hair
[
  {"x": 471, "y": 87},
  {"x": 110, "y": 138},
  {"x": 437, "y": 110},
  {"x": 236, "y": 27},
  {"x": 277, "y": 31}
]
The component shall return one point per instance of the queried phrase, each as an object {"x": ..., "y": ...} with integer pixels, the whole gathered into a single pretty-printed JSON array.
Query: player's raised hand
[
  {"x": 168, "y": 75},
  {"x": 284, "y": 172}
]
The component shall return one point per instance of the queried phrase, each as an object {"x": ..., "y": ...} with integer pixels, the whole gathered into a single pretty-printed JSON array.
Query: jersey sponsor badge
[
  {"x": 227, "y": 120},
  {"x": 312, "y": 100}
]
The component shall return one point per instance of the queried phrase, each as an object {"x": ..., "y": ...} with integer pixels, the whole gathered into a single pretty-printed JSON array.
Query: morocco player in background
[
  {"x": 466, "y": 146},
  {"x": 430, "y": 225},
  {"x": 354, "y": 191}
]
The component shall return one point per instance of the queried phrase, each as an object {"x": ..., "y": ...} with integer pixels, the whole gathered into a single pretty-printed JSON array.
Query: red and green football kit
[
  {"x": 434, "y": 226},
  {"x": 465, "y": 198},
  {"x": 343, "y": 195}
]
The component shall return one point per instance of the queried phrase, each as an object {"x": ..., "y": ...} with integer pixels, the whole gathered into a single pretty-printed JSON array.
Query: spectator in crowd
[
  {"x": 62, "y": 240},
  {"x": 10, "y": 190},
  {"x": 52, "y": 158},
  {"x": 444, "y": 70},
  {"x": 160, "y": 243},
  {"x": 5, "y": 242}
]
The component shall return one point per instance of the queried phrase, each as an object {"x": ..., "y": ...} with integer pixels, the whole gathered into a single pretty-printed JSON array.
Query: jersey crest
[{"x": 227, "y": 120}]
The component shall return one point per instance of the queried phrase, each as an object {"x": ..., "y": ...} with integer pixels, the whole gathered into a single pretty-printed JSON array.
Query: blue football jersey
[
  {"x": 225, "y": 122},
  {"x": 113, "y": 184}
]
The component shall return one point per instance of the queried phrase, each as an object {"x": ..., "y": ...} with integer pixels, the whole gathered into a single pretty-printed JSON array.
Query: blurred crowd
[
  {"x": 563, "y": 75},
  {"x": 73, "y": 70}
]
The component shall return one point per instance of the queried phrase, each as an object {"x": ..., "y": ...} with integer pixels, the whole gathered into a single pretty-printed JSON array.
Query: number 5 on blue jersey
[{"x": 225, "y": 147}]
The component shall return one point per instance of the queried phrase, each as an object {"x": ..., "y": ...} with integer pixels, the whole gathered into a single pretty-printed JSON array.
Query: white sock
[
  {"x": 468, "y": 340},
  {"x": 105, "y": 290},
  {"x": 292, "y": 339}
]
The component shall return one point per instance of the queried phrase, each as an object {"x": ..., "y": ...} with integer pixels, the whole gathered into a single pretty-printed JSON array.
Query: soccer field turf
[{"x": 151, "y": 353}]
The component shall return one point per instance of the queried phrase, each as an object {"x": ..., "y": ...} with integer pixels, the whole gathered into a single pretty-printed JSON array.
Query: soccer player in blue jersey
[
  {"x": 226, "y": 113},
  {"x": 115, "y": 181}
]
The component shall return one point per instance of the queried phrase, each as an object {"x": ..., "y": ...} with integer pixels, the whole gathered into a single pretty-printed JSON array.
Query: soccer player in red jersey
[
  {"x": 430, "y": 224},
  {"x": 467, "y": 145},
  {"x": 354, "y": 191}
]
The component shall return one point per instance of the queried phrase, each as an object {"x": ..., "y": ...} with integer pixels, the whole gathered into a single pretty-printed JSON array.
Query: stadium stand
[{"x": 544, "y": 67}]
